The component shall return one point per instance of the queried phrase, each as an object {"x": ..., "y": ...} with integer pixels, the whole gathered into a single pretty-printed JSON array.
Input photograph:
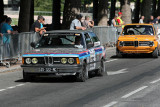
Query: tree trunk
[
  {"x": 154, "y": 8},
  {"x": 137, "y": 11},
  {"x": 113, "y": 8},
  {"x": 126, "y": 11},
  {"x": 158, "y": 9},
  {"x": 71, "y": 8},
  {"x": 56, "y": 14},
  {"x": 1, "y": 10},
  {"x": 31, "y": 13},
  {"x": 102, "y": 13},
  {"x": 24, "y": 16},
  {"x": 146, "y": 11},
  {"x": 95, "y": 11}
]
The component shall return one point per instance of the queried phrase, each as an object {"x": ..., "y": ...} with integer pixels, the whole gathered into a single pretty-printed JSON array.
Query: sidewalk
[{"x": 3, "y": 69}]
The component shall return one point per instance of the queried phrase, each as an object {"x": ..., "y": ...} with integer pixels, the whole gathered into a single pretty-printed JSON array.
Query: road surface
[{"x": 133, "y": 81}]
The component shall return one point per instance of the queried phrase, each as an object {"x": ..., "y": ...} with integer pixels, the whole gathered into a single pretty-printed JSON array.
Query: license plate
[{"x": 47, "y": 69}]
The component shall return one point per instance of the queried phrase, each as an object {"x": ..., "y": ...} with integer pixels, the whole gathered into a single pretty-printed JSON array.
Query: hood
[
  {"x": 56, "y": 51},
  {"x": 137, "y": 38}
]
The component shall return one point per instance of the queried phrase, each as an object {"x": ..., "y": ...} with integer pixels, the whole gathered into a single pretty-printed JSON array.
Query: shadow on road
[{"x": 132, "y": 56}]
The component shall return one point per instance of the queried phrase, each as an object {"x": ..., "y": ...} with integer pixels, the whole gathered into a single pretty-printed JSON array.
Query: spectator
[
  {"x": 151, "y": 20},
  {"x": 3, "y": 21},
  {"x": 88, "y": 24},
  {"x": 43, "y": 23},
  {"x": 155, "y": 21},
  {"x": 76, "y": 23},
  {"x": 36, "y": 26},
  {"x": 141, "y": 19},
  {"x": 114, "y": 22},
  {"x": 119, "y": 20}
]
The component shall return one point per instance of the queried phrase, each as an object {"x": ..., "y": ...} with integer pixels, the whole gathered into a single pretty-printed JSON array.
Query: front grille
[
  {"x": 48, "y": 60},
  {"x": 128, "y": 43},
  {"x": 136, "y": 43},
  {"x": 143, "y": 43}
]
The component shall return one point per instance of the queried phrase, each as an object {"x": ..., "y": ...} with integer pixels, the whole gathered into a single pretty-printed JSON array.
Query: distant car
[
  {"x": 65, "y": 53},
  {"x": 138, "y": 38}
]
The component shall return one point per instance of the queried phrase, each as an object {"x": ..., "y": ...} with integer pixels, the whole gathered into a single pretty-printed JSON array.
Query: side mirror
[
  {"x": 90, "y": 45},
  {"x": 33, "y": 44}
]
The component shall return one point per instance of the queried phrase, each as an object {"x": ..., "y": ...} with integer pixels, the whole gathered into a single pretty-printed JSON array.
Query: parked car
[
  {"x": 65, "y": 53},
  {"x": 138, "y": 38}
]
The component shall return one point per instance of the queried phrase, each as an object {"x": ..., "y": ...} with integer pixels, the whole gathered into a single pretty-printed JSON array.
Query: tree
[
  {"x": 146, "y": 10},
  {"x": 95, "y": 11},
  {"x": 154, "y": 8},
  {"x": 31, "y": 13},
  {"x": 113, "y": 8},
  {"x": 56, "y": 14},
  {"x": 71, "y": 8},
  {"x": 102, "y": 13},
  {"x": 158, "y": 9},
  {"x": 137, "y": 11},
  {"x": 1, "y": 9},
  {"x": 24, "y": 16},
  {"x": 126, "y": 10}
]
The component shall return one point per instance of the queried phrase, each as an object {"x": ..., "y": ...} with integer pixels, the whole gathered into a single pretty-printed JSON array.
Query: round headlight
[
  {"x": 70, "y": 60},
  {"x": 121, "y": 43},
  {"x": 34, "y": 60},
  {"x": 64, "y": 60},
  {"x": 28, "y": 60},
  {"x": 151, "y": 43}
]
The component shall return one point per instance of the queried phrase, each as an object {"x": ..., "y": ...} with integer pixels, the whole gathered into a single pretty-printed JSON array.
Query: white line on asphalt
[
  {"x": 111, "y": 104},
  {"x": 2, "y": 89},
  {"x": 155, "y": 81},
  {"x": 11, "y": 87},
  {"x": 112, "y": 60},
  {"x": 19, "y": 85},
  {"x": 133, "y": 92},
  {"x": 117, "y": 72}
]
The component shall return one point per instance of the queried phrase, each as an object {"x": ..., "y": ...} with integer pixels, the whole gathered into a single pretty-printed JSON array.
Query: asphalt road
[{"x": 133, "y": 81}]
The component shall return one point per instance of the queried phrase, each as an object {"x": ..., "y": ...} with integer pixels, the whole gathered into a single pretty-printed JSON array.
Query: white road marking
[
  {"x": 19, "y": 85},
  {"x": 11, "y": 87},
  {"x": 155, "y": 81},
  {"x": 111, "y": 104},
  {"x": 112, "y": 60},
  {"x": 133, "y": 92},
  {"x": 2, "y": 89},
  {"x": 117, "y": 72}
]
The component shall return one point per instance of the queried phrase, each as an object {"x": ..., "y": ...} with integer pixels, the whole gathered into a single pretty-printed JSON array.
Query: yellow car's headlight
[
  {"x": 70, "y": 60},
  {"x": 34, "y": 60},
  {"x": 28, "y": 60},
  {"x": 64, "y": 60}
]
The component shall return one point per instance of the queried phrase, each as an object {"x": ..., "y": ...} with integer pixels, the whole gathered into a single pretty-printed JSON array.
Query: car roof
[
  {"x": 68, "y": 31},
  {"x": 139, "y": 24}
]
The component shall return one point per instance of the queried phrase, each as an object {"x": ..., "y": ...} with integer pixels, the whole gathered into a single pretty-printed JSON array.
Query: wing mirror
[{"x": 33, "y": 44}]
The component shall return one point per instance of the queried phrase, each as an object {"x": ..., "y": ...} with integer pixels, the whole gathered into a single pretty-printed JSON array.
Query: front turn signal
[
  {"x": 77, "y": 59},
  {"x": 22, "y": 60}
]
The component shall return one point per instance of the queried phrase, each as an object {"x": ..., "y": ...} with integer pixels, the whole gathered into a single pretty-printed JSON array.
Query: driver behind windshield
[{"x": 147, "y": 31}]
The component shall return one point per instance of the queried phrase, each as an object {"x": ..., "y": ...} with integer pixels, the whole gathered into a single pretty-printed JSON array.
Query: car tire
[
  {"x": 83, "y": 75},
  {"x": 102, "y": 70},
  {"x": 155, "y": 53},
  {"x": 27, "y": 77},
  {"x": 118, "y": 54}
]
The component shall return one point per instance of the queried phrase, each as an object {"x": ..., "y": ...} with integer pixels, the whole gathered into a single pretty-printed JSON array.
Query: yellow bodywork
[{"x": 138, "y": 49}]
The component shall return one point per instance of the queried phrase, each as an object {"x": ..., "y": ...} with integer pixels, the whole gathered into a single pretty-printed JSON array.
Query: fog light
[
  {"x": 64, "y": 60},
  {"x": 70, "y": 60},
  {"x": 34, "y": 60}
]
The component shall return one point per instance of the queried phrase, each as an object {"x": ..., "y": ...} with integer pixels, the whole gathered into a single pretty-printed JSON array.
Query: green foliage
[{"x": 43, "y": 5}]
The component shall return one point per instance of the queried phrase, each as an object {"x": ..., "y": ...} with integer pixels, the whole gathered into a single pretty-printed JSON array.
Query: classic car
[
  {"x": 65, "y": 53},
  {"x": 137, "y": 39}
]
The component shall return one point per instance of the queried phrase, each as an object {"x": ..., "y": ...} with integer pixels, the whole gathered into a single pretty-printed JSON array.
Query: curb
[{"x": 11, "y": 69}]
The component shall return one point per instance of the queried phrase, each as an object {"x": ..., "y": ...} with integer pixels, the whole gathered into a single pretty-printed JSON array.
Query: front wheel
[
  {"x": 83, "y": 75},
  {"x": 155, "y": 53}
]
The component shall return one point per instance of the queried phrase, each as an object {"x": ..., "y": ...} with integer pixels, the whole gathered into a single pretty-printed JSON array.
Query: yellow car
[{"x": 138, "y": 38}]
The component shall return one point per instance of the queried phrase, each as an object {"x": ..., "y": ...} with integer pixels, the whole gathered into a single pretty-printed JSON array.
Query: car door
[{"x": 90, "y": 47}]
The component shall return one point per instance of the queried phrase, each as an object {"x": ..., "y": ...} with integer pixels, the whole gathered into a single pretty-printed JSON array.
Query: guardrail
[{"x": 14, "y": 46}]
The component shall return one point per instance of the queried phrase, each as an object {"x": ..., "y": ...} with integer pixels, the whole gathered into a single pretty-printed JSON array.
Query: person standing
[
  {"x": 88, "y": 24},
  {"x": 156, "y": 20},
  {"x": 3, "y": 21},
  {"x": 141, "y": 19},
  {"x": 119, "y": 19},
  {"x": 151, "y": 20},
  {"x": 36, "y": 26},
  {"x": 76, "y": 23}
]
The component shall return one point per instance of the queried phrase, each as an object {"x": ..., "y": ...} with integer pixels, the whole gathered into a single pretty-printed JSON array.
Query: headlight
[
  {"x": 34, "y": 60},
  {"x": 121, "y": 43},
  {"x": 70, "y": 60},
  {"x": 64, "y": 60},
  {"x": 151, "y": 43},
  {"x": 28, "y": 60}
]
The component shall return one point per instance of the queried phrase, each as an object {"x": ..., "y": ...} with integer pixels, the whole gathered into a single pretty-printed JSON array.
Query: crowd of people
[{"x": 151, "y": 20}]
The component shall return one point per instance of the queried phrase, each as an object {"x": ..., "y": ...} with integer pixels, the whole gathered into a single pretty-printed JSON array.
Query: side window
[
  {"x": 94, "y": 37},
  {"x": 88, "y": 40}
]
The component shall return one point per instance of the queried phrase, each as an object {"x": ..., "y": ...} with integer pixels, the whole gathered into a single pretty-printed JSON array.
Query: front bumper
[
  {"x": 130, "y": 49},
  {"x": 58, "y": 69}
]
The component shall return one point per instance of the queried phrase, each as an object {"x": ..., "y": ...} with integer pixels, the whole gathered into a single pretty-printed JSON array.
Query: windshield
[
  {"x": 138, "y": 30},
  {"x": 61, "y": 41}
]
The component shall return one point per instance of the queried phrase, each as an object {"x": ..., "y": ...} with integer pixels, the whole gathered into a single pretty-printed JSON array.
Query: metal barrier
[{"x": 108, "y": 35}]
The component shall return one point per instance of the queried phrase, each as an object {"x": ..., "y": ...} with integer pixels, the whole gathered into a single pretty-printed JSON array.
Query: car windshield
[
  {"x": 138, "y": 30},
  {"x": 61, "y": 41}
]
